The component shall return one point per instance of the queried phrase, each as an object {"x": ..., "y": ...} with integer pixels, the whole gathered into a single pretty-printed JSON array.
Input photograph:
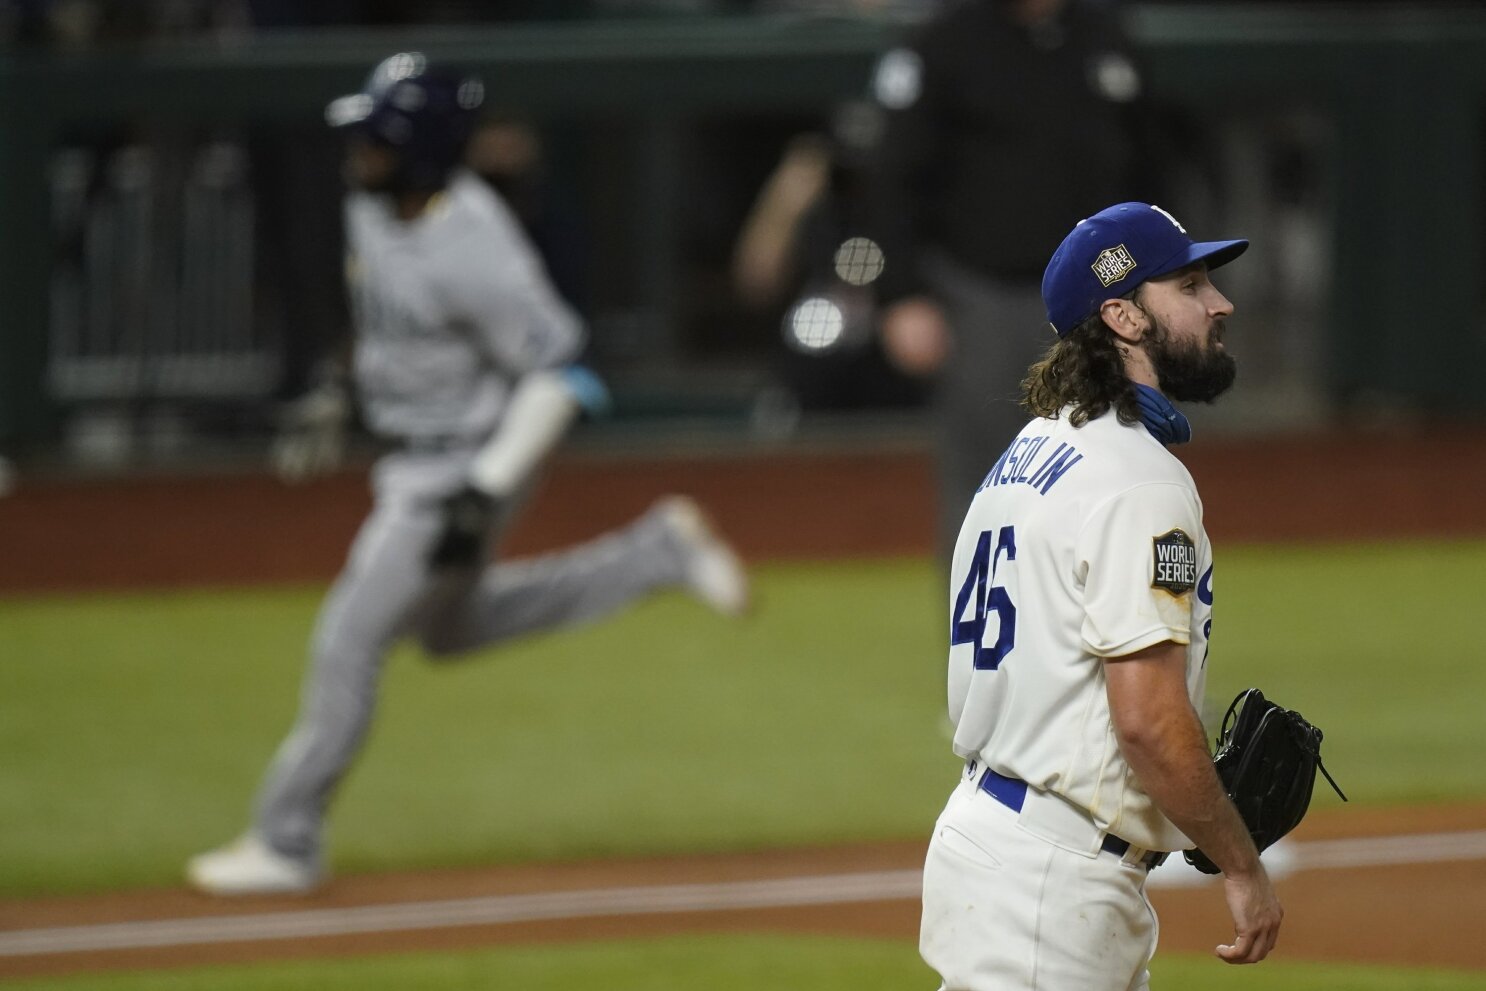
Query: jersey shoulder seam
[{"x": 1094, "y": 510}]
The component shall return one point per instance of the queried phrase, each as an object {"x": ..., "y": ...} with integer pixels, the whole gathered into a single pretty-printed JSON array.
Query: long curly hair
[{"x": 1083, "y": 370}]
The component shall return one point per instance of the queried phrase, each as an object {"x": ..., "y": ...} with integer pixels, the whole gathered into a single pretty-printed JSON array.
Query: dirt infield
[
  {"x": 214, "y": 529},
  {"x": 1406, "y": 904}
]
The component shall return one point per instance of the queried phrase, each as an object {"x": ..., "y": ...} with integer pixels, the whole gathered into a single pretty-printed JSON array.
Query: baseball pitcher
[{"x": 1080, "y": 610}]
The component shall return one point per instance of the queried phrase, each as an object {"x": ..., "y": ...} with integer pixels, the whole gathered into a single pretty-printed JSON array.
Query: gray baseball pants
[{"x": 386, "y": 591}]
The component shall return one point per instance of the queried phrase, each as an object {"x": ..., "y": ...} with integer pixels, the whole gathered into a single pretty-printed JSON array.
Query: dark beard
[{"x": 1190, "y": 371}]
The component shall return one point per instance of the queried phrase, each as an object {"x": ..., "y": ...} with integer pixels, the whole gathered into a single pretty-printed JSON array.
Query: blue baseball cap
[{"x": 1109, "y": 254}]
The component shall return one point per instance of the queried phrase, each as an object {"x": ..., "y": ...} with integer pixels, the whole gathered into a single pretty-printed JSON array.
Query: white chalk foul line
[
  {"x": 405, "y": 916},
  {"x": 1288, "y": 856},
  {"x": 1382, "y": 851},
  {"x": 830, "y": 889}
]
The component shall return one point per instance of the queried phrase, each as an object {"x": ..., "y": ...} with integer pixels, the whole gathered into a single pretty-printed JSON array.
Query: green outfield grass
[
  {"x": 1380, "y": 645},
  {"x": 714, "y": 963},
  {"x": 133, "y": 728}
]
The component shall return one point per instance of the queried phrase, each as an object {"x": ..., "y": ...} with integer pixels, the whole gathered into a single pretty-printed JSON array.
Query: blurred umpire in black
[{"x": 1007, "y": 122}]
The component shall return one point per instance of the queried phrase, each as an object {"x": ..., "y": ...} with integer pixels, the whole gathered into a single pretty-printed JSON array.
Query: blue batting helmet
[{"x": 423, "y": 114}]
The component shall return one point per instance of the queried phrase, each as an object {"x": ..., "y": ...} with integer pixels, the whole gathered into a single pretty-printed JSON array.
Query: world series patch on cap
[{"x": 1115, "y": 250}]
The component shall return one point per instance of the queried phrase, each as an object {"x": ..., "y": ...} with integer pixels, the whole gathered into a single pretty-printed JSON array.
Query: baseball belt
[
  {"x": 1012, "y": 793},
  {"x": 426, "y": 444}
]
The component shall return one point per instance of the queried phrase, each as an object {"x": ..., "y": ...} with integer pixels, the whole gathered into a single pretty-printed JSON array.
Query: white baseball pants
[{"x": 1006, "y": 909}]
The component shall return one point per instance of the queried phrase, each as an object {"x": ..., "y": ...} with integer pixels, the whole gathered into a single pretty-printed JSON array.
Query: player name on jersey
[{"x": 1026, "y": 463}]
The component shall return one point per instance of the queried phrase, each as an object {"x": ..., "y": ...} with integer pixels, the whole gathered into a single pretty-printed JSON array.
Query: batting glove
[
  {"x": 469, "y": 516},
  {"x": 311, "y": 440}
]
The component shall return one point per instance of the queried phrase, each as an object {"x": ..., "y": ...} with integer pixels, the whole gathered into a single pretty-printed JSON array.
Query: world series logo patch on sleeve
[{"x": 1175, "y": 564}]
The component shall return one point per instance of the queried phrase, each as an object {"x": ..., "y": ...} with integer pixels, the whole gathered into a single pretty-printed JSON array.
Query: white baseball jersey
[
  {"x": 1081, "y": 544},
  {"x": 450, "y": 308}
]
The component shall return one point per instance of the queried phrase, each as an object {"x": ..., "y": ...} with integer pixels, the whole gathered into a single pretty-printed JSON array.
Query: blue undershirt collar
[{"x": 1165, "y": 422}]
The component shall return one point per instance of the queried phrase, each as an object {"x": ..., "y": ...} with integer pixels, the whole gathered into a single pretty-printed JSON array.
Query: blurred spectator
[
  {"x": 768, "y": 252},
  {"x": 510, "y": 154},
  {"x": 803, "y": 259},
  {"x": 1007, "y": 122}
]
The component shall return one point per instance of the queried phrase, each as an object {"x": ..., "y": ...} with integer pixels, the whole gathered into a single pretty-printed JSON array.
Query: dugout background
[{"x": 1344, "y": 139}]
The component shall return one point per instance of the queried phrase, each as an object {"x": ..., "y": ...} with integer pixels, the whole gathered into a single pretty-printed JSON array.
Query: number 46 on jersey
[{"x": 981, "y": 597}]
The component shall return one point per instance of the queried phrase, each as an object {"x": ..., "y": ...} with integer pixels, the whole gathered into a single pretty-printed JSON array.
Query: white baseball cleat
[
  {"x": 714, "y": 574},
  {"x": 249, "y": 866}
]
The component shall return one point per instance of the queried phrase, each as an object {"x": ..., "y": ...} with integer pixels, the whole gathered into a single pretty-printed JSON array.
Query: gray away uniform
[{"x": 450, "y": 309}]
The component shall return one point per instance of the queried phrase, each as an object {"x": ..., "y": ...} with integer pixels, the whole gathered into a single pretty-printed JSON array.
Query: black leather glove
[
  {"x": 469, "y": 515},
  {"x": 1267, "y": 759}
]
